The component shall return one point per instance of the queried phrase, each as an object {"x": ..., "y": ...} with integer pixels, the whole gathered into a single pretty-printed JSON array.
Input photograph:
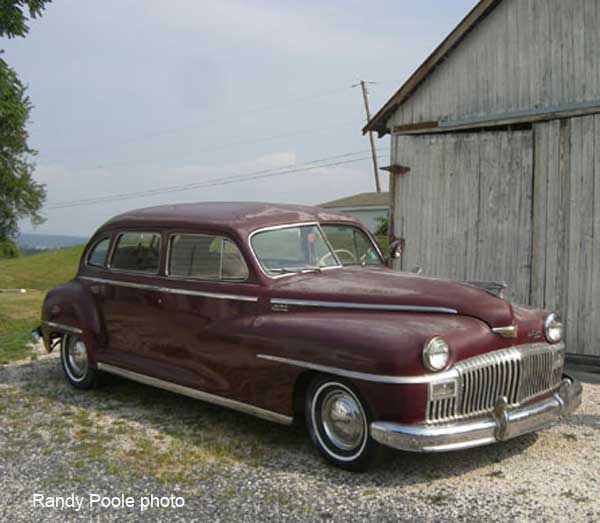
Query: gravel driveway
[{"x": 131, "y": 440}]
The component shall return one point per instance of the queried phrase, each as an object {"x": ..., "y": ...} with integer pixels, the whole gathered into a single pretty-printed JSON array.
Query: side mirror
[{"x": 395, "y": 250}]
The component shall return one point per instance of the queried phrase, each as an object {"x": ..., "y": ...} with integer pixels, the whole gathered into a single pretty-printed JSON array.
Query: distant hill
[
  {"x": 20, "y": 312},
  {"x": 27, "y": 241},
  {"x": 41, "y": 271}
]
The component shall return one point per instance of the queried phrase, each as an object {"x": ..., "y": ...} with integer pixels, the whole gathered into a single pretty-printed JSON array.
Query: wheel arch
[{"x": 70, "y": 309}]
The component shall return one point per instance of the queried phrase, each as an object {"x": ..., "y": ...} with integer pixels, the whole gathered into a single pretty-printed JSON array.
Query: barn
[{"x": 495, "y": 158}]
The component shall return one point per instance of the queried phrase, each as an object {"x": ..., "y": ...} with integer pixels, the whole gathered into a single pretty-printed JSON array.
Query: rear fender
[{"x": 71, "y": 308}]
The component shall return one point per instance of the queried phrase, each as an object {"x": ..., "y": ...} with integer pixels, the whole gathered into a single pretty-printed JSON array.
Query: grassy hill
[{"x": 20, "y": 313}]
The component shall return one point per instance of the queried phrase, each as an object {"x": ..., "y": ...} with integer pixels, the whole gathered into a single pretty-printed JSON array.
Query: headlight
[
  {"x": 553, "y": 328},
  {"x": 436, "y": 353}
]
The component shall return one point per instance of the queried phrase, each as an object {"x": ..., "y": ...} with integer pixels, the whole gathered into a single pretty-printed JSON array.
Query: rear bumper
[{"x": 503, "y": 425}]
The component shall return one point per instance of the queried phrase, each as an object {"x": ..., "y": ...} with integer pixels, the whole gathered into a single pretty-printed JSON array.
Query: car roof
[{"x": 235, "y": 217}]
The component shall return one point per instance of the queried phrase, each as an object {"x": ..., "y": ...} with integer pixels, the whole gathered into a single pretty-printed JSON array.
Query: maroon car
[{"x": 289, "y": 312}]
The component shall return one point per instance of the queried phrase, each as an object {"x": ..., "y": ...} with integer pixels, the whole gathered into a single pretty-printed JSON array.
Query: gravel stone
[{"x": 57, "y": 441}]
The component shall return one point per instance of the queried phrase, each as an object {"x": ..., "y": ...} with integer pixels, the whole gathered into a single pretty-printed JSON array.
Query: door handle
[{"x": 97, "y": 290}]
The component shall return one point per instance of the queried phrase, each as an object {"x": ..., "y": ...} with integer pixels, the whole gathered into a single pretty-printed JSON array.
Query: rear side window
[
  {"x": 137, "y": 252},
  {"x": 206, "y": 257},
  {"x": 99, "y": 252}
]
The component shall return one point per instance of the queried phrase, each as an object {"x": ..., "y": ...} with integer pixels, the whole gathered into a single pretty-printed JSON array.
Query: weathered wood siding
[
  {"x": 566, "y": 227},
  {"x": 465, "y": 207},
  {"x": 526, "y": 54}
]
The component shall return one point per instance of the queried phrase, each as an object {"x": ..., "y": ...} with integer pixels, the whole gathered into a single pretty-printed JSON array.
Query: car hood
[{"x": 381, "y": 289}]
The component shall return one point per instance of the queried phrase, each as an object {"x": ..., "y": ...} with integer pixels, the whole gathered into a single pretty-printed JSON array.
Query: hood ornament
[{"x": 495, "y": 288}]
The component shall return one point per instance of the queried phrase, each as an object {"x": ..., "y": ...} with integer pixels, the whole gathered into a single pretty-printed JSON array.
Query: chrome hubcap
[
  {"x": 78, "y": 360},
  {"x": 343, "y": 420}
]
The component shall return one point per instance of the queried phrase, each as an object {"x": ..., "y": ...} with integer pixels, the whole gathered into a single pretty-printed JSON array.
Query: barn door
[
  {"x": 465, "y": 208},
  {"x": 566, "y": 234}
]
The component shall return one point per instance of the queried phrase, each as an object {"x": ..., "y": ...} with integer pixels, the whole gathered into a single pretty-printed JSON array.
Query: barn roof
[
  {"x": 475, "y": 16},
  {"x": 365, "y": 199}
]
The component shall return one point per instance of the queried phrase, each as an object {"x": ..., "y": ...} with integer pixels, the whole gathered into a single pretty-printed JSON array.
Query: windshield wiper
[{"x": 295, "y": 270}]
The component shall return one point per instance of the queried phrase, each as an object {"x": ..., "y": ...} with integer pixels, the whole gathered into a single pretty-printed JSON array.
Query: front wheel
[
  {"x": 338, "y": 423},
  {"x": 75, "y": 362}
]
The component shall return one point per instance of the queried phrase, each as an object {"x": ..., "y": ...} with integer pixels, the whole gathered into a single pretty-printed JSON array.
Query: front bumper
[{"x": 505, "y": 423}]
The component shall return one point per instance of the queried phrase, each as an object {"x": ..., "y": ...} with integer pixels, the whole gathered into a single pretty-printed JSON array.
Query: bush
[{"x": 8, "y": 249}]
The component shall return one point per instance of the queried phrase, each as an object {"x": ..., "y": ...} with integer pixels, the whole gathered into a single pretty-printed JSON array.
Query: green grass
[
  {"x": 40, "y": 271},
  {"x": 20, "y": 313}
]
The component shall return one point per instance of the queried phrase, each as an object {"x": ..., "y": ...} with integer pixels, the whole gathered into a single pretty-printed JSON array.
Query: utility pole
[{"x": 365, "y": 93}]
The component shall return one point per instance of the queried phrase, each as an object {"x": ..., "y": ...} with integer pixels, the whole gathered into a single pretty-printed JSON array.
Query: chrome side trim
[
  {"x": 451, "y": 374},
  {"x": 364, "y": 306},
  {"x": 197, "y": 394},
  {"x": 62, "y": 327},
  {"x": 378, "y": 378},
  {"x": 171, "y": 290}
]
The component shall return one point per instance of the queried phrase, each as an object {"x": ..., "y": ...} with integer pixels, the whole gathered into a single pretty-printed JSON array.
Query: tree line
[{"x": 20, "y": 195}]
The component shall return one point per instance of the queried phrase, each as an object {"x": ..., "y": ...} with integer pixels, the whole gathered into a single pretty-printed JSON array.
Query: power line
[
  {"x": 208, "y": 183},
  {"x": 174, "y": 130},
  {"x": 227, "y": 145},
  {"x": 268, "y": 173},
  {"x": 235, "y": 176}
]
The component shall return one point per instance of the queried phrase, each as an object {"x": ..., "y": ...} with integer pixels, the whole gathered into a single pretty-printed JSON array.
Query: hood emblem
[
  {"x": 509, "y": 331},
  {"x": 279, "y": 307}
]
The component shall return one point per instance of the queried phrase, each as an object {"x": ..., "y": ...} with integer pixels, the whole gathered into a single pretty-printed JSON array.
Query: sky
[{"x": 142, "y": 96}]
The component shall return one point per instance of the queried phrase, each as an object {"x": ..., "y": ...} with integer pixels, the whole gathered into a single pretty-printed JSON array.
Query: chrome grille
[{"x": 519, "y": 373}]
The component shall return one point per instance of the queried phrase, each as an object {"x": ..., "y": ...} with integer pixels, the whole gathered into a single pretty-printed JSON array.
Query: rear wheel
[
  {"x": 75, "y": 362},
  {"x": 338, "y": 423}
]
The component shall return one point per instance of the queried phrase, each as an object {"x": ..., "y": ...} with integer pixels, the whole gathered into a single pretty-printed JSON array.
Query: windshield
[
  {"x": 293, "y": 249},
  {"x": 351, "y": 245}
]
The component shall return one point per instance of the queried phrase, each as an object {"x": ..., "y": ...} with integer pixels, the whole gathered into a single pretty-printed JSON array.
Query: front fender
[
  {"x": 71, "y": 307},
  {"x": 387, "y": 344}
]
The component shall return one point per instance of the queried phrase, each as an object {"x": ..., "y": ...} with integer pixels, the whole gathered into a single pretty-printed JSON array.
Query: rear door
[{"x": 132, "y": 303}]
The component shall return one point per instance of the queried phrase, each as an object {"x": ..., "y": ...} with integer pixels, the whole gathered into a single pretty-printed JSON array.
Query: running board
[{"x": 197, "y": 394}]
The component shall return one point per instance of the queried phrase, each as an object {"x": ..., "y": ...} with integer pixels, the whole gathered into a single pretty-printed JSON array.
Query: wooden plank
[
  {"x": 592, "y": 341},
  {"x": 576, "y": 82},
  {"x": 574, "y": 234},
  {"x": 521, "y": 146},
  {"x": 585, "y": 306},
  {"x": 590, "y": 59},
  {"x": 540, "y": 214},
  {"x": 555, "y": 212}
]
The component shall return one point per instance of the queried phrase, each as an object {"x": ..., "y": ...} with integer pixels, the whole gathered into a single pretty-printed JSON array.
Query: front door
[{"x": 207, "y": 312}]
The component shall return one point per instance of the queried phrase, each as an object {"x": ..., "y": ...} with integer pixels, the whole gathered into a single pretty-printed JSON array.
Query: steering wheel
[
  {"x": 363, "y": 258},
  {"x": 337, "y": 251}
]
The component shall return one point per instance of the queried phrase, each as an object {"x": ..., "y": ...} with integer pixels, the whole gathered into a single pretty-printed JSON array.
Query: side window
[
  {"x": 98, "y": 253},
  {"x": 206, "y": 257},
  {"x": 352, "y": 246},
  {"x": 137, "y": 252}
]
